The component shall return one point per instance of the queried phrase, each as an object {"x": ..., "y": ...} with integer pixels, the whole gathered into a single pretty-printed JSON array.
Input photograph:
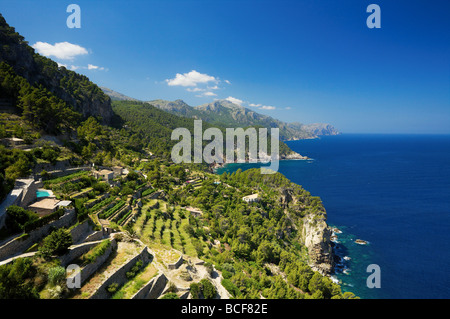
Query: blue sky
[{"x": 305, "y": 61}]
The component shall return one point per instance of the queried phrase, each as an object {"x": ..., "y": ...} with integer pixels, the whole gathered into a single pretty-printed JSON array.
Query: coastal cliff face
[{"x": 316, "y": 236}]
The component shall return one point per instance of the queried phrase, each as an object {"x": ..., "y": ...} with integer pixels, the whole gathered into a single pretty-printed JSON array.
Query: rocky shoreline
[
  {"x": 290, "y": 156},
  {"x": 340, "y": 252}
]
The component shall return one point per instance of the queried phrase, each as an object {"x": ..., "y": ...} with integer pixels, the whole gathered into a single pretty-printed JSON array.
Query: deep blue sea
[{"x": 390, "y": 190}]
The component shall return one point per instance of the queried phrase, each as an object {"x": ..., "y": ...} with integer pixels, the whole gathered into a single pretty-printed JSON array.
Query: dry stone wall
[
  {"x": 18, "y": 245},
  {"x": 119, "y": 276}
]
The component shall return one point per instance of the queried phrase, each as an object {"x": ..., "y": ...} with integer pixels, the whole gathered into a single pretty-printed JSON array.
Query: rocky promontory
[{"x": 316, "y": 237}]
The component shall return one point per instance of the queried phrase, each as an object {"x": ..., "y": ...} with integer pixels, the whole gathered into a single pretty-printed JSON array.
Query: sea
[{"x": 391, "y": 191}]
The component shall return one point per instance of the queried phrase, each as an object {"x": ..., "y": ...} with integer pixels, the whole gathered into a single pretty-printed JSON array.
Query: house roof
[
  {"x": 105, "y": 171},
  {"x": 46, "y": 203}
]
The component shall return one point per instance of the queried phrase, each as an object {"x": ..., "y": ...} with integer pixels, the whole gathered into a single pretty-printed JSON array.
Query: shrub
[
  {"x": 56, "y": 275},
  {"x": 232, "y": 289},
  {"x": 130, "y": 274},
  {"x": 17, "y": 218},
  {"x": 226, "y": 274},
  {"x": 56, "y": 243},
  {"x": 195, "y": 290},
  {"x": 92, "y": 255},
  {"x": 209, "y": 267},
  {"x": 208, "y": 289},
  {"x": 15, "y": 280},
  {"x": 101, "y": 187},
  {"x": 113, "y": 287},
  {"x": 172, "y": 288},
  {"x": 205, "y": 287}
]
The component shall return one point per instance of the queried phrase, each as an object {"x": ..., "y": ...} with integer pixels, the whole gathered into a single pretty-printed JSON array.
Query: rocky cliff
[
  {"x": 314, "y": 232},
  {"x": 316, "y": 236}
]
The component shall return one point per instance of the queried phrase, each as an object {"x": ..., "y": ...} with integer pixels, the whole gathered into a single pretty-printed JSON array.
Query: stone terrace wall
[
  {"x": 18, "y": 245},
  {"x": 77, "y": 251},
  {"x": 176, "y": 264},
  {"x": 90, "y": 269},
  {"x": 152, "y": 289},
  {"x": 119, "y": 276},
  {"x": 80, "y": 231}
]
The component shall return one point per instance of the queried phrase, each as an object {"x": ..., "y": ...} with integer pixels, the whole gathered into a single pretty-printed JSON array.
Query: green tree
[
  {"x": 16, "y": 280},
  {"x": 56, "y": 243},
  {"x": 17, "y": 217},
  {"x": 208, "y": 289}
]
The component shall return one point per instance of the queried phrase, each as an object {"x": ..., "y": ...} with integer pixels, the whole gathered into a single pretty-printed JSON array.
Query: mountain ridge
[
  {"x": 224, "y": 112},
  {"x": 227, "y": 113}
]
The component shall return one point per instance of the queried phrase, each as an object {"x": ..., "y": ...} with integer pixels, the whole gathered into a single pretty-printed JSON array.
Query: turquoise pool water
[{"x": 41, "y": 193}]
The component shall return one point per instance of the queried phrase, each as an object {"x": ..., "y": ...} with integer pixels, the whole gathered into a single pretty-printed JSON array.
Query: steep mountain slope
[
  {"x": 155, "y": 126},
  {"x": 74, "y": 89}
]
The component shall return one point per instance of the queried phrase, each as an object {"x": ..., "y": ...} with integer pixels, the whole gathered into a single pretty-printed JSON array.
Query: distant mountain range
[
  {"x": 226, "y": 113},
  {"x": 116, "y": 96}
]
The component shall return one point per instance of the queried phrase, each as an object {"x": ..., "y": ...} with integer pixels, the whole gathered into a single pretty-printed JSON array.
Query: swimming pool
[{"x": 42, "y": 193}]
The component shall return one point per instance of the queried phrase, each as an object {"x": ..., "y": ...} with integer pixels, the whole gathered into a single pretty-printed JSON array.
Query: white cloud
[
  {"x": 190, "y": 79},
  {"x": 95, "y": 67},
  {"x": 227, "y": 82},
  {"x": 288, "y": 107},
  {"x": 267, "y": 107},
  {"x": 195, "y": 90},
  {"x": 215, "y": 87},
  {"x": 255, "y": 105},
  {"x": 60, "y": 50},
  {"x": 234, "y": 100},
  {"x": 206, "y": 94}
]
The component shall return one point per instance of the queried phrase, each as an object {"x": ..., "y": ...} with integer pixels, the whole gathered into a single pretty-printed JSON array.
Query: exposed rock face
[
  {"x": 315, "y": 233},
  {"x": 286, "y": 197},
  {"x": 316, "y": 237}
]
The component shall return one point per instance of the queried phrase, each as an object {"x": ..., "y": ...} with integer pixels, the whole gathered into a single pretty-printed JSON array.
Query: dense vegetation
[
  {"x": 259, "y": 241},
  {"x": 154, "y": 126},
  {"x": 38, "y": 106},
  {"x": 63, "y": 88}
]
